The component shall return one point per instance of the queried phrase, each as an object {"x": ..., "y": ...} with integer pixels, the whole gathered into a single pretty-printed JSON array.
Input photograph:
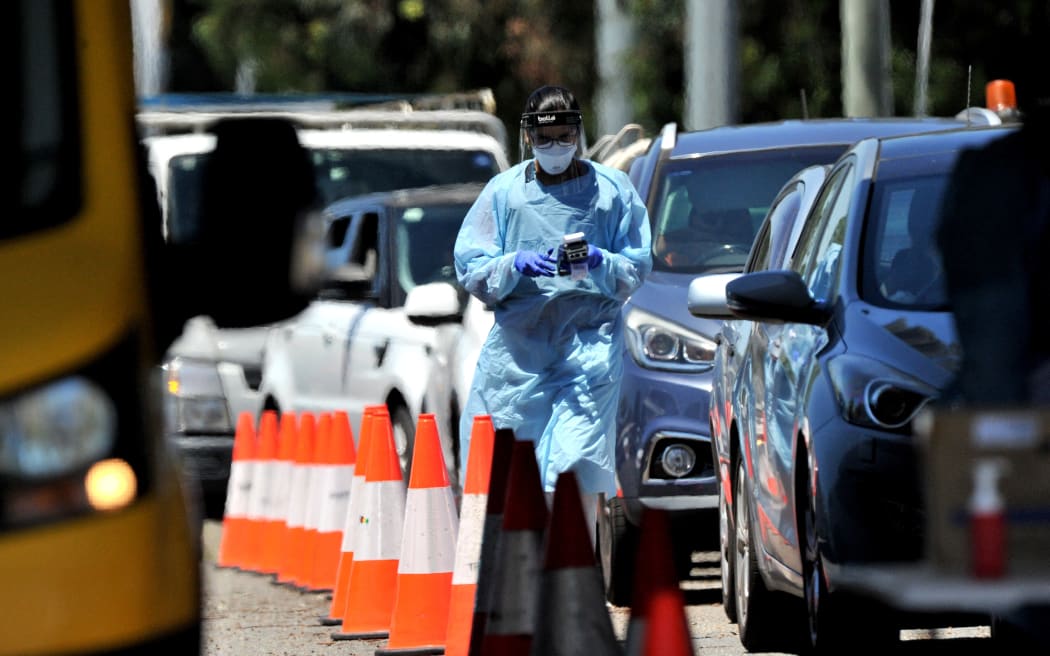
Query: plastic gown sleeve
[
  {"x": 483, "y": 268},
  {"x": 624, "y": 268},
  {"x": 486, "y": 269}
]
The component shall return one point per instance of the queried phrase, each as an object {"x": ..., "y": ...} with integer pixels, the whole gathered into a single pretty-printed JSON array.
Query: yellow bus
[{"x": 99, "y": 540}]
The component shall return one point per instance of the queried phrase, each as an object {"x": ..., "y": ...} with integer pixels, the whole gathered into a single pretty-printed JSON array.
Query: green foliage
[{"x": 789, "y": 49}]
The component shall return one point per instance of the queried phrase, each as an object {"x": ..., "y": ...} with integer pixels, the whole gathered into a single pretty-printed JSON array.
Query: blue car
[
  {"x": 833, "y": 352},
  {"x": 707, "y": 192}
]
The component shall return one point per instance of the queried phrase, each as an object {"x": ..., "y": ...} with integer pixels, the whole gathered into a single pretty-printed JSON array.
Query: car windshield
[
  {"x": 900, "y": 252},
  {"x": 339, "y": 173},
  {"x": 425, "y": 238},
  {"x": 709, "y": 208}
]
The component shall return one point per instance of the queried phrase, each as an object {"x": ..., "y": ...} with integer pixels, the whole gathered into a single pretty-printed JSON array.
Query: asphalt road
[{"x": 245, "y": 614}]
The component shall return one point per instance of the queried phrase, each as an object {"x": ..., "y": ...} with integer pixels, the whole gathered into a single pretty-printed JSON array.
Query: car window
[
  {"x": 781, "y": 217},
  {"x": 758, "y": 260},
  {"x": 426, "y": 235},
  {"x": 352, "y": 172},
  {"x": 905, "y": 261},
  {"x": 817, "y": 257},
  {"x": 707, "y": 210}
]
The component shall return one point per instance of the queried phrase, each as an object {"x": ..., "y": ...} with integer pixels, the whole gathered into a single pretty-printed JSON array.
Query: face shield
[{"x": 550, "y": 131}]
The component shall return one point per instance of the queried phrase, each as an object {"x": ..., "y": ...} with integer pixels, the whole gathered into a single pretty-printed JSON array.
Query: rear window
[
  {"x": 708, "y": 209},
  {"x": 342, "y": 173},
  {"x": 339, "y": 173}
]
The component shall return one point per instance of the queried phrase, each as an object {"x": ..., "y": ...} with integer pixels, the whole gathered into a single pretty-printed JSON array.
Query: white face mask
[{"x": 556, "y": 159}]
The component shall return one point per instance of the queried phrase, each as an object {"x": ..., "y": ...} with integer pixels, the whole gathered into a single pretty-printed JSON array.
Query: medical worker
[{"x": 551, "y": 366}]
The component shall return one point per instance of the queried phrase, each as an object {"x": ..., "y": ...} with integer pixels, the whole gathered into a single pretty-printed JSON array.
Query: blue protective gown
[{"x": 551, "y": 366}]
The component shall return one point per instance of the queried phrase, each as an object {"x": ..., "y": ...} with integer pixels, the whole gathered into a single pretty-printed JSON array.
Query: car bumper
[
  {"x": 873, "y": 497},
  {"x": 206, "y": 459},
  {"x": 658, "y": 409}
]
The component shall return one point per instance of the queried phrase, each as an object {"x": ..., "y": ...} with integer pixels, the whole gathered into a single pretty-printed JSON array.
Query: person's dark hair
[{"x": 551, "y": 99}]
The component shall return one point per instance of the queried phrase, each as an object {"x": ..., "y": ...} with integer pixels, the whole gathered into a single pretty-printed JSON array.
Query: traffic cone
[
  {"x": 354, "y": 511},
  {"x": 315, "y": 492},
  {"x": 469, "y": 538},
  {"x": 572, "y": 616},
  {"x": 377, "y": 548},
  {"x": 428, "y": 550},
  {"x": 260, "y": 501},
  {"x": 235, "y": 523},
  {"x": 502, "y": 451},
  {"x": 668, "y": 630},
  {"x": 512, "y": 615},
  {"x": 658, "y": 609},
  {"x": 293, "y": 545},
  {"x": 335, "y": 501},
  {"x": 275, "y": 532}
]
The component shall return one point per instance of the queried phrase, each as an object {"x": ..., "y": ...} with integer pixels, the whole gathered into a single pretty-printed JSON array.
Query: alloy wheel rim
[
  {"x": 812, "y": 565},
  {"x": 723, "y": 538},
  {"x": 743, "y": 555}
]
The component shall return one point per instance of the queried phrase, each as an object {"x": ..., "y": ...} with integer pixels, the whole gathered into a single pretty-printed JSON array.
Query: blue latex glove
[
  {"x": 532, "y": 264},
  {"x": 594, "y": 256}
]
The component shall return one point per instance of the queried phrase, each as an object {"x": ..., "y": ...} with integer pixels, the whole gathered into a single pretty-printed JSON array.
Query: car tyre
[
  {"x": 618, "y": 548},
  {"x": 727, "y": 547},
  {"x": 404, "y": 436},
  {"x": 836, "y": 623}
]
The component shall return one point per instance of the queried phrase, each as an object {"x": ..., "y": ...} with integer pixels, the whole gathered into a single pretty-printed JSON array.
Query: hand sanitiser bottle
[{"x": 987, "y": 521}]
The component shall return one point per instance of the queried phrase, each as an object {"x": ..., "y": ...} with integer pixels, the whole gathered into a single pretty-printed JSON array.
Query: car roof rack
[{"x": 472, "y": 111}]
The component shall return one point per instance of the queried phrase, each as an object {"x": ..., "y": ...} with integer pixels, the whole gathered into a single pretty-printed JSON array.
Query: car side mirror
[
  {"x": 257, "y": 256},
  {"x": 706, "y": 297},
  {"x": 775, "y": 297},
  {"x": 433, "y": 304}
]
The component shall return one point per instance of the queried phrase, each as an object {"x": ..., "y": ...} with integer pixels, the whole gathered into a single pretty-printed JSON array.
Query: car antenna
[
  {"x": 969, "y": 73},
  {"x": 805, "y": 108}
]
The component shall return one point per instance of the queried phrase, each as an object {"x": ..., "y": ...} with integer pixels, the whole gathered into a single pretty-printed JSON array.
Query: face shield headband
[{"x": 532, "y": 120}]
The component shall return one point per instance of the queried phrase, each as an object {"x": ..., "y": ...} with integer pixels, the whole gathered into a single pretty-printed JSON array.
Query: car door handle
[
  {"x": 327, "y": 337},
  {"x": 774, "y": 349}
]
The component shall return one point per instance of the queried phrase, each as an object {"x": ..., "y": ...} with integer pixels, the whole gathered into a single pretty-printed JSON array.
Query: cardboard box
[{"x": 951, "y": 442}]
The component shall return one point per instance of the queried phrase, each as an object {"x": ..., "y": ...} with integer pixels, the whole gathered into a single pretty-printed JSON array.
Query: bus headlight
[{"x": 56, "y": 429}]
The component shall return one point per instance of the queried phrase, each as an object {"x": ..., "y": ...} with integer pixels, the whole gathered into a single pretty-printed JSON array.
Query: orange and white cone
[
  {"x": 573, "y": 618},
  {"x": 277, "y": 525},
  {"x": 339, "y": 477},
  {"x": 262, "y": 489},
  {"x": 233, "y": 546},
  {"x": 511, "y": 617},
  {"x": 469, "y": 539},
  {"x": 293, "y": 544},
  {"x": 354, "y": 513},
  {"x": 315, "y": 493},
  {"x": 658, "y": 623},
  {"x": 377, "y": 547},
  {"x": 428, "y": 550},
  {"x": 502, "y": 451}
]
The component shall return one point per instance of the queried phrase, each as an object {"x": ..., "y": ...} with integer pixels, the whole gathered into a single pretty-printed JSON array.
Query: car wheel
[
  {"x": 404, "y": 436},
  {"x": 618, "y": 548},
  {"x": 763, "y": 617},
  {"x": 835, "y": 622},
  {"x": 727, "y": 547}
]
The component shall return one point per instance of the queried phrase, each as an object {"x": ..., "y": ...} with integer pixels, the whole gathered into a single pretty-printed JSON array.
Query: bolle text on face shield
[{"x": 561, "y": 129}]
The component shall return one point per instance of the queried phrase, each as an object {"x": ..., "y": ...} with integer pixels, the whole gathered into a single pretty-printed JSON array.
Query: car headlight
[
  {"x": 657, "y": 343},
  {"x": 195, "y": 401},
  {"x": 871, "y": 393},
  {"x": 56, "y": 429}
]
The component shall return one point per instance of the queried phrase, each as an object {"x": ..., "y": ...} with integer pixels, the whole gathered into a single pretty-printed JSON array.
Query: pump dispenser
[{"x": 987, "y": 521}]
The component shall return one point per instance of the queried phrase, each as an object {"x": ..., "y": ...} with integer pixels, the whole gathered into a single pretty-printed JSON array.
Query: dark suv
[{"x": 707, "y": 192}]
